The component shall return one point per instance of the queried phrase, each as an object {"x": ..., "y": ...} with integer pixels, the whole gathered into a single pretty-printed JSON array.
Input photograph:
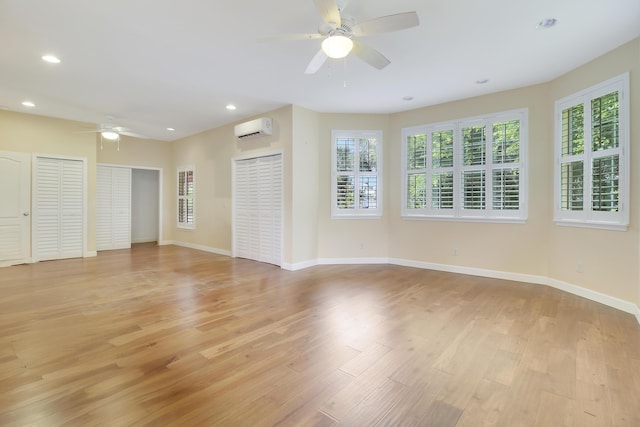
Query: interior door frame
[{"x": 160, "y": 187}]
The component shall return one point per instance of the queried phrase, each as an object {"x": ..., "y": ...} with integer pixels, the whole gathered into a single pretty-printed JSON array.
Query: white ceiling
[{"x": 155, "y": 64}]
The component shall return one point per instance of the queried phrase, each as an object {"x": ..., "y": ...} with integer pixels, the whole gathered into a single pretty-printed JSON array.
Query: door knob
[{"x": 25, "y": 213}]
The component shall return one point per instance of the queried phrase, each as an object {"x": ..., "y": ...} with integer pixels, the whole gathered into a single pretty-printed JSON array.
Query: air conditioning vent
[{"x": 254, "y": 128}]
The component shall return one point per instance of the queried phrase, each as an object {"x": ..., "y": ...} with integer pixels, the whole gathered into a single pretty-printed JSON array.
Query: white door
[
  {"x": 15, "y": 220},
  {"x": 58, "y": 202},
  {"x": 257, "y": 209},
  {"x": 113, "y": 208}
]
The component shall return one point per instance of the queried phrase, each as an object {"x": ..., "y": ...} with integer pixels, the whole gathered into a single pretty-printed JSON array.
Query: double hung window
[
  {"x": 591, "y": 152},
  {"x": 186, "y": 197},
  {"x": 468, "y": 169},
  {"x": 356, "y": 174}
]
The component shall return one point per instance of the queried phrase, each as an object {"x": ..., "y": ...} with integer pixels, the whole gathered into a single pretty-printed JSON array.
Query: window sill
[
  {"x": 595, "y": 225},
  {"x": 465, "y": 219},
  {"x": 186, "y": 227},
  {"x": 356, "y": 216}
]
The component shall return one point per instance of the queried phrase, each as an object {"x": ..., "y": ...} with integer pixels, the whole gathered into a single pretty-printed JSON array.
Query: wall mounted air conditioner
[{"x": 257, "y": 127}]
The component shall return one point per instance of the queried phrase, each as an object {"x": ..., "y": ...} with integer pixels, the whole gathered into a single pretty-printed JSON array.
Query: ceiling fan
[
  {"x": 340, "y": 35},
  {"x": 111, "y": 132}
]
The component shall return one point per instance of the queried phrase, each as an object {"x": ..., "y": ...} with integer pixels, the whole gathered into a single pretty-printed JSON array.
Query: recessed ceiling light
[
  {"x": 28, "y": 104},
  {"x": 230, "y": 107},
  {"x": 170, "y": 129},
  {"x": 407, "y": 98},
  {"x": 51, "y": 59},
  {"x": 547, "y": 23},
  {"x": 482, "y": 81}
]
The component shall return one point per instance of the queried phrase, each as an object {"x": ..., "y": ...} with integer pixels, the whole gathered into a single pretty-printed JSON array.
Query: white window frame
[
  {"x": 587, "y": 217},
  {"x": 457, "y": 212},
  {"x": 183, "y": 224},
  {"x": 356, "y": 212}
]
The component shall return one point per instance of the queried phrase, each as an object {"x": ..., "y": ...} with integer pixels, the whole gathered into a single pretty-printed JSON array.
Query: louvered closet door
[
  {"x": 113, "y": 208},
  {"x": 257, "y": 221},
  {"x": 59, "y": 208}
]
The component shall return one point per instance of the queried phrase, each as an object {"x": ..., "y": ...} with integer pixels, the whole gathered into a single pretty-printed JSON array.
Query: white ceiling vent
[{"x": 253, "y": 128}]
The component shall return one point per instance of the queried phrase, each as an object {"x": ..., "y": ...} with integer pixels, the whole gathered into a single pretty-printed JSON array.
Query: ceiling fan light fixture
[
  {"x": 337, "y": 46},
  {"x": 110, "y": 135}
]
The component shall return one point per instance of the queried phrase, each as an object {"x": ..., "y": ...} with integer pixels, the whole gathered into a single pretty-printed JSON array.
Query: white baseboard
[
  {"x": 336, "y": 261},
  {"x": 90, "y": 254},
  {"x": 494, "y": 274},
  {"x": 198, "y": 247},
  {"x": 299, "y": 265},
  {"x": 605, "y": 299}
]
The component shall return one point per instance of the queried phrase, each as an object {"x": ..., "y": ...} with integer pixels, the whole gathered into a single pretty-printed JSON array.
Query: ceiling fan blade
[
  {"x": 385, "y": 24},
  {"x": 289, "y": 37},
  {"x": 119, "y": 129},
  {"x": 328, "y": 10},
  {"x": 316, "y": 62},
  {"x": 133, "y": 134},
  {"x": 369, "y": 55}
]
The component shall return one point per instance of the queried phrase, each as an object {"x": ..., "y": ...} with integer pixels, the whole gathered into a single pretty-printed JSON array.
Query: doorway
[{"x": 145, "y": 205}]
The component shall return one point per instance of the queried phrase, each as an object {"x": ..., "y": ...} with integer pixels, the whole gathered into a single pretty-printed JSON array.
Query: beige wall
[
  {"x": 610, "y": 258},
  {"x": 344, "y": 238},
  {"x": 305, "y": 186},
  {"x": 538, "y": 247},
  {"x": 211, "y": 153},
  {"x": 43, "y": 135},
  {"x": 502, "y": 247}
]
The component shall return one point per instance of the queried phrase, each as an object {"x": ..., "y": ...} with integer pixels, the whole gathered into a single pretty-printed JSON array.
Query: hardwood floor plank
[
  {"x": 173, "y": 336},
  {"x": 441, "y": 414},
  {"x": 417, "y": 401},
  {"x": 555, "y": 410}
]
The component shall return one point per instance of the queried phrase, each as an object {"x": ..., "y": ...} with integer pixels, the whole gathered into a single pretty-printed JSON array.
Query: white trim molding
[
  {"x": 299, "y": 265},
  {"x": 198, "y": 247}
]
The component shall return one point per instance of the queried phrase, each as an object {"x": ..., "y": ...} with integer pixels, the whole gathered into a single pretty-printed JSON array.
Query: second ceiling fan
[{"x": 340, "y": 35}]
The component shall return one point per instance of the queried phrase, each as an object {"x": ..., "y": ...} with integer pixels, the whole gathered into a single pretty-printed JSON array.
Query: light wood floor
[{"x": 169, "y": 336}]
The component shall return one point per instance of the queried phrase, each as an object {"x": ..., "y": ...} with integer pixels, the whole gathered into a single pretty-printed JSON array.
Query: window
[
  {"x": 591, "y": 146},
  {"x": 468, "y": 169},
  {"x": 186, "y": 196},
  {"x": 356, "y": 178}
]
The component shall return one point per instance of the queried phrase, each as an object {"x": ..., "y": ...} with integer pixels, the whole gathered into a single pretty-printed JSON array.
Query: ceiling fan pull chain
[{"x": 344, "y": 72}]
